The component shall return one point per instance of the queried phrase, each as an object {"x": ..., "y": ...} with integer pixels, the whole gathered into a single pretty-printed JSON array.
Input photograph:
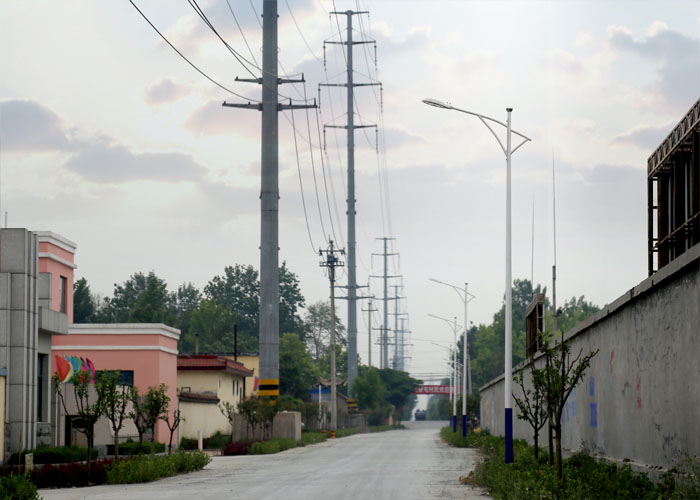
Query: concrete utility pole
[
  {"x": 332, "y": 261},
  {"x": 351, "y": 212},
  {"x": 269, "y": 201},
  {"x": 396, "y": 298},
  {"x": 369, "y": 312}
]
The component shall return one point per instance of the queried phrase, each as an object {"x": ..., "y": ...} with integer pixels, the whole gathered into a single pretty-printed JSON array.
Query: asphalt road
[{"x": 402, "y": 464}]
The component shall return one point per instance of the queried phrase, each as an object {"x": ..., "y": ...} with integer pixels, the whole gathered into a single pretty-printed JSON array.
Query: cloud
[
  {"x": 563, "y": 61},
  {"x": 165, "y": 91},
  {"x": 643, "y": 137},
  {"x": 394, "y": 138},
  {"x": 214, "y": 119},
  {"x": 104, "y": 163},
  {"x": 29, "y": 126},
  {"x": 676, "y": 56}
]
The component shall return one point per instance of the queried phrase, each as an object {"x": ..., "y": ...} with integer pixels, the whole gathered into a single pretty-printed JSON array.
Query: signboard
[{"x": 433, "y": 389}]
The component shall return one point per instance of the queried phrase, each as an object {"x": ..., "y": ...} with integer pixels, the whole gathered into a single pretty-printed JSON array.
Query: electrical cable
[
  {"x": 301, "y": 186},
  {"x": 188, "y": 61},
  {"x": 300, "y": 32}
]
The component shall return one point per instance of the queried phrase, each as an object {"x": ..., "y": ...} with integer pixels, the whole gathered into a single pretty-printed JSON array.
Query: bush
[
  {"x": 529, "y": 479},
  {"x": 57, "y": 455},
  {"x": 346, "y": 431},
  {"x": 312, "y": 438},
  {"x": 70, "y": 475},
  {"x": 17, "y": 487},
  {"x": 188, "y": 444},
  {"x": 272, "y": 446},
  {"x": 150, "y": 468},
  {"x": 132, "y": 448},
  {"x": 216, "y": 441},
  {"x": 237, "y": 448}
]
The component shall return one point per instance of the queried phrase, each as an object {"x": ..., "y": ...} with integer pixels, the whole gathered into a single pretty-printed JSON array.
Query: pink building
[
  {"x": 56, "y": 257},
  {"x": 146, "y": 354}
]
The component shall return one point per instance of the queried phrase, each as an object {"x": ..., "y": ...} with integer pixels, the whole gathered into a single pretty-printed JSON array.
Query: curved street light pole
[
  {"x": 454, "y": 375},
  {"x": 508, "y": 150}
]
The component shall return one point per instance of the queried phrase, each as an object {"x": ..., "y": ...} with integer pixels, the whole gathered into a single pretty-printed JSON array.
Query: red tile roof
[
  {"x": 211, "y": 362},
  {"x": 198, "y": 397}
]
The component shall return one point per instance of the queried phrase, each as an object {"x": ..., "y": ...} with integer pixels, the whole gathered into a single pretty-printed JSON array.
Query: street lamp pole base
[
  {"x": 509, "y": 435},
  {"x": 454, "y": 423},
  {"x": 464, "y": 426}
]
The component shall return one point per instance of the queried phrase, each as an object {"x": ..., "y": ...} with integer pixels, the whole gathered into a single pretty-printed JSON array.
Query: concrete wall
[
  {"x": 204, "y": 417},
  {"x": 287, "y": 424},
  {"x": 640, "y": 399}
]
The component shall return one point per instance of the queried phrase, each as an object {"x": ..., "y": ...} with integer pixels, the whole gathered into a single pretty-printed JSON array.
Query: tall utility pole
[
  {"x": 369, "y": 312},
  {"x": 269, "y": 201},
  {"x": 332, "y": 261},
  {"x": 396, "y": 298},
  {"x": 352, "y": 267},
  {"x": 384, "y": 338}
]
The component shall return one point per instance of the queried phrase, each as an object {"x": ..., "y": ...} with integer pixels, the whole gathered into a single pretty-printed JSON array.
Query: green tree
[
  {"x": 172, "y": 426},
  {"x": 297, "y": 369},
  {"x": 399, "y": 387},
  {"x": 341, "y": 363},
  {"x": 439, "y": 408},
  {"x": 213, "y": 324},
  {"x": 140, "y": 299},
  {"x": 116, "y": 400},
  {"x": 317, "y": 327},
  {"x": 83, "y": 302},
  {"x": 156, "y": 403},
  {"x": 138, "y": 413},
  {"x": 187, "y": 302},
  {"x": 291, "y": 301},
  {"x": 368, "y": 388}
]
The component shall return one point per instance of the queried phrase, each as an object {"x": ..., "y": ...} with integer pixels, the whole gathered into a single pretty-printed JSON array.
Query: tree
[
  {"x": 341, "y": 363},
  {"x": 187, "y": 302},
  {"x": 213, "y": 324},
  {"x": 368, "y": 388},
  {"x": 83, "y": 302},
  {"x": 561, "y": 374},
  {"x": 172, "y": 426},
  {"x": 439, "y": 408},
  {"x": 259, "y": 410},
  {"x": 156, "y": 405},
  {"x": 399, "y": 387},
  {"x": 116, "y": 400},
  {"x": 138, "y": 414},
  {"x": 140, "y": 299},
  {"x": 317, "y": 328},
  {"x": 89, "y": 406},
  {"x": 296, "y": 367},
  {"x": 229, "y": 411},
  {"x": 533, "y": 404},
  {"x": 239, "y": 289}
]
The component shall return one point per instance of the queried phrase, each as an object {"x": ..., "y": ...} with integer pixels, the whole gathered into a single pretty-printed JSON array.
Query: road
[{"x": 400, "y": 464}]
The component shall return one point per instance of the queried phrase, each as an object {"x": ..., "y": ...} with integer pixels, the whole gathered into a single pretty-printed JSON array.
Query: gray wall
[
  {"x": 19, "y": 334},
  {"x": 640, "y": 399}
]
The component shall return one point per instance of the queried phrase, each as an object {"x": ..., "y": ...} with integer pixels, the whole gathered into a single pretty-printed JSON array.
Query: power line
[
  {"x": 300, "y": 32},
  {"x": 245, "y": 40},
  {"x": 301, "y": 186},
  {"x": 188, "y": 61}
]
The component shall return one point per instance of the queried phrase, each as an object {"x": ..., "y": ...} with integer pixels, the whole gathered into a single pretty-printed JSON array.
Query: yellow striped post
[{"x": 269, "y": 387}]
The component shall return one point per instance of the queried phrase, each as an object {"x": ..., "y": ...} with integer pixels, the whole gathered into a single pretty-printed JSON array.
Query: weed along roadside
[{"x": 583, "y": 477}]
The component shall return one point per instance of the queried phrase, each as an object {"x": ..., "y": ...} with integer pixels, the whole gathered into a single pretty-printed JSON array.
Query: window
[
  {"x": 63, "y": 293},
  {"x": 126, "y": 377},
  {"x": 40, "y": 389}
]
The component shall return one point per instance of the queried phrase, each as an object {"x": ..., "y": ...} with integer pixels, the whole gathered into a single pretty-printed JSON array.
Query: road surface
[{"x": 401, "y": 464}]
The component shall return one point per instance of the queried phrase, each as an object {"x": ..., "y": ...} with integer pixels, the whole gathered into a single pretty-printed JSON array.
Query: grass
[
  {"x": 584, "y": 478},
  {"x": 149, "y": 468},
  {"x": 312, "y": 438},
  {"x": 346, "y": 431},
  {"x": 272, "y": 446}
]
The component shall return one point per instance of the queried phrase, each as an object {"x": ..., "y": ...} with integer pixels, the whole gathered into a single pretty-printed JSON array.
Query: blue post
[
  {"x": 464, "y": 426},
  {"x": 454, "y": 423},
  {"x": 509, "y": 435}
]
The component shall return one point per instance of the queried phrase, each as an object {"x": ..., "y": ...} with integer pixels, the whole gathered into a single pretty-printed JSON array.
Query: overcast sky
[{"x": 112, "y": 140}]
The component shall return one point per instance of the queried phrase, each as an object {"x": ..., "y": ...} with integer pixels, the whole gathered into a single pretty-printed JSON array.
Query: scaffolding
[{"x": 673, "y": 192}]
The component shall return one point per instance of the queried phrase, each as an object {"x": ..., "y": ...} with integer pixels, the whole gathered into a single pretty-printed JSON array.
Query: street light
[
  {"x": 508, "y": 151},
  {"x": 453, "y": 383},
  {"x": 466, "y": 297}
]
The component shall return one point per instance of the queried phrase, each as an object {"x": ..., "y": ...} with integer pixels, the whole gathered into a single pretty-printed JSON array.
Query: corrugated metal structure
[{"x": 673, "y": 184}]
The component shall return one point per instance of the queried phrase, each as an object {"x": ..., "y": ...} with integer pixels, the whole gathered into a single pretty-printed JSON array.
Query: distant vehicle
[{"x": 420, "y": 414}]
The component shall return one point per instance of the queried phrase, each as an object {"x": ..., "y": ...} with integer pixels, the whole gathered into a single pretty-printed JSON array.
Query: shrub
[
  {"x": 346, "y": 431},
  {"x": 188, "y": 444},
  {"x": 17, "y": 487},
  {"x": 132, "y": 448},
  {"x": 237, "y": 448},
  {"x": 68, "y": 475},
  {"x": 382, "y": 428},
  {"x": 56, "y": 455},
  {"x": 312, "y": 438},
  {"x": 216, "y": 441},
  {"x": 272, "y": 446},
  {"x": 150, "y": 468}
]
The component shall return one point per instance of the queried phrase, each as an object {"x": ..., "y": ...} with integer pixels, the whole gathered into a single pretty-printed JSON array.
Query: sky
[{"x": 112, "y": 140}]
